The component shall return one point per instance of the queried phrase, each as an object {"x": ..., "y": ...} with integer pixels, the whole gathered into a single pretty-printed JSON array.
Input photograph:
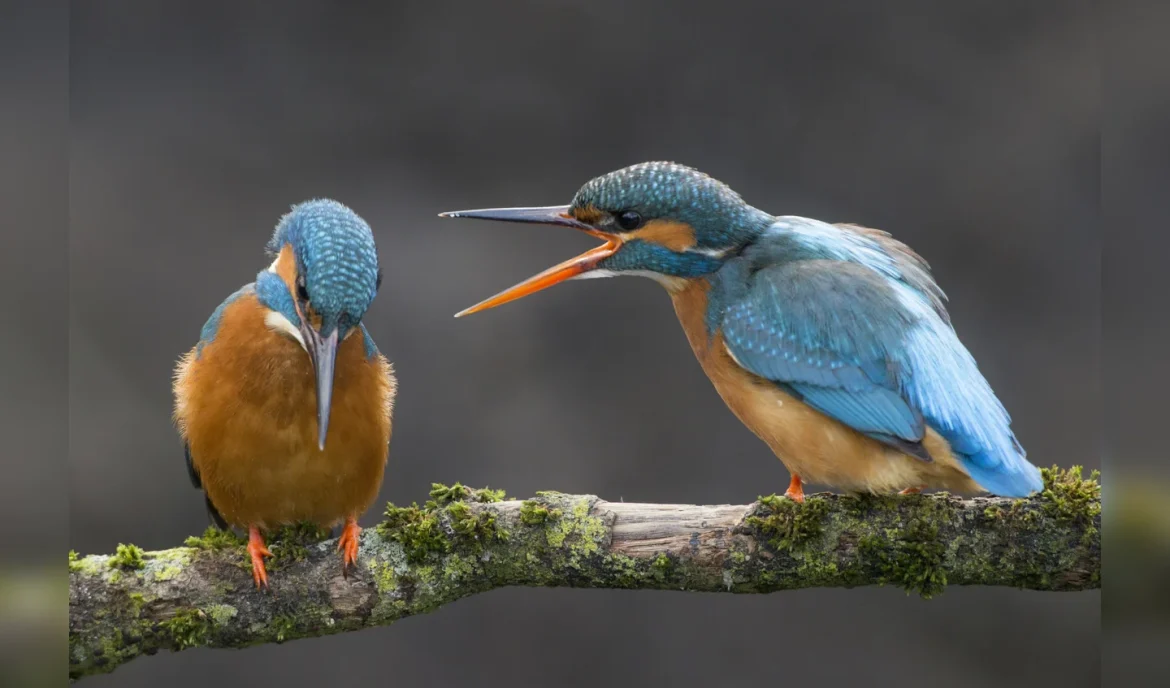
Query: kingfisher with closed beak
[
  {"x": 830, "y": 342},
  {"x": 284, "y": 405}
]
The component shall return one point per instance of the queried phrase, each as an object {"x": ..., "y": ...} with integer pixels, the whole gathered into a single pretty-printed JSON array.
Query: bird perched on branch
[
  {"x": 284, "y": 405},
  {"x": 830, "y": 342}
]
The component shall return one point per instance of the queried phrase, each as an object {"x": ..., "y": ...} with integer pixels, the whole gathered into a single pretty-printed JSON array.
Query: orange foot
[
  {"x": 348, "y": 544},
  {"x": 795, "y": 490},
  {"x": 258, "y": 551},
  {"x": 911, "y": 490}
]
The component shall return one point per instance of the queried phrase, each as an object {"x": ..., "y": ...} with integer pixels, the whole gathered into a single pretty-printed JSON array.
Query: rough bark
[{"x": 464, "y": 541}]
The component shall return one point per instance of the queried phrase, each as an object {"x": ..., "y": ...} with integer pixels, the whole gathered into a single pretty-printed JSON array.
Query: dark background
[{"x": 971, "y": 130}]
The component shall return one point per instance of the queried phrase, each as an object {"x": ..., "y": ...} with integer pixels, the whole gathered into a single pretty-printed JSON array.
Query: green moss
[
  {"x": 911, "y": 558},
  {"x": 662, "y": 566},
  {"x": 137, "y": 602},
  {"x": 588, "y": 532},
  {"x": 422, "y": 532},
  {"x": 74, "y": 561},
  {"x": 789, "y": 524},
  {"x": 417, "y": 530},
  {"x": 1070, "y": 498},
  {"x": 620, "y": 571},
  {"x": 533, "y": 513},
  {"x": 384, "y": 578},
  {"x": 221, "y": 613},
  {"x": 425, "y": 574},
  {"x": 168, "y": 564},
  {"x": 290, "y": 544},
  {"x": 127, "y": 557},
  {"x": 168, "y": 572},
  {"x": 487, "y": 495},
  {"x": 662, "y": 562},
  {"x": 442, "y": 494},
  {"x": 480, "y": 527},
  {"x": 214, "y": 539},
  {"x": 457, "y": 568},
  {"x": 283, "y": 628},
  {"x": 187, "y": 628}
]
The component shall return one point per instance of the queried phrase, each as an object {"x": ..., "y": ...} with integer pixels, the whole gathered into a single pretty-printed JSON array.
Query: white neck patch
[{"x": 276, "y": 322}]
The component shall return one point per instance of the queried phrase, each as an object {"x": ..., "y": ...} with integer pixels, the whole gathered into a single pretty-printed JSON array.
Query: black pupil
[
  {"x": 629, "y": 220},
  {"x": 302, "y": 292}
]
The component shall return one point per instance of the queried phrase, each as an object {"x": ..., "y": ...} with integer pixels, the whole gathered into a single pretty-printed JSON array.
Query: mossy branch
[{"x": 464, "y": 541}]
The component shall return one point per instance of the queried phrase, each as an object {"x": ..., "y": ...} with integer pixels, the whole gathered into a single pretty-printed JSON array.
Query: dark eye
[
  {"x": 629, "y": 219},
  {"x": 378, "y": 284},
  {"x": 302, "y": 291}
]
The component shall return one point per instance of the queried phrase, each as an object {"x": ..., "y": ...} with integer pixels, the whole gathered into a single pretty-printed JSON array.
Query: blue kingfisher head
[
  {"x": 660, "y": 220},
  {"x": 323, "y": 277}
]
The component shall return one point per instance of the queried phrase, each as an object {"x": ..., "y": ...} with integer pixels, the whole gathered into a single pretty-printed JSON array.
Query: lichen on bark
[{"x": 464, "y": 540}]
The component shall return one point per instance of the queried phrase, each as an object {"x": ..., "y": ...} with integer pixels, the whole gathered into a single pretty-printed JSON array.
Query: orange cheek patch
[
  {"x": 286, "y": 266},
  {"x": 676, "y": 236}
]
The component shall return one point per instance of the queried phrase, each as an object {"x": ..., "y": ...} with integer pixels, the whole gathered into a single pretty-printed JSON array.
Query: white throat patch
[{"x": 276, "y": 322}]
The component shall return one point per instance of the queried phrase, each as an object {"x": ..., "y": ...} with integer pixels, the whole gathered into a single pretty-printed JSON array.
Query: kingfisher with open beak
[
  {"x": 830, "y": 342},
  {"x": 284, "y": 405}
]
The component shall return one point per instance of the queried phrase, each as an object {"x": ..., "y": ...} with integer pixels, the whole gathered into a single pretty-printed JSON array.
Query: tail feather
[{"x": 1014, "y": 477}]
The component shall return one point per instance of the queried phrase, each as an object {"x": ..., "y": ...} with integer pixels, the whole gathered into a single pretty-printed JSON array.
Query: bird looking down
[
  {"x": 830, "y": 342},
  {"x": 284, "y": 405}
]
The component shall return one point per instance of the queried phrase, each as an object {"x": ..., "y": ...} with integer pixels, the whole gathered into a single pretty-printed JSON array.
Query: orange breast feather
[{"x": 246, "y": 406}]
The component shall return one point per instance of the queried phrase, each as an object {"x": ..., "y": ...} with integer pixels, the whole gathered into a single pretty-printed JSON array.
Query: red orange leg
[
  {"x": 795, "y": 490},
  {"x": 911, "y": 490},
  {"x": 348, "y": 544},
  {"x": 257, "y": 550}
]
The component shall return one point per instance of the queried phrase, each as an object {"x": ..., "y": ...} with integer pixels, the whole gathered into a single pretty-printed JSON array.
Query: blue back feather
[{"x": 855, "y": 326}]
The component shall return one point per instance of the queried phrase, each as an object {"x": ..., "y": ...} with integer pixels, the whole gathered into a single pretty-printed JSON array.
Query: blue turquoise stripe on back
[{"x": 211, "y": 327}]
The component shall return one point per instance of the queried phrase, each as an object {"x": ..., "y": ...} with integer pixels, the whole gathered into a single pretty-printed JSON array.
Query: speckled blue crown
[
  {"x": 669, "y": 190},
  {"x": 335, "y": 252}
]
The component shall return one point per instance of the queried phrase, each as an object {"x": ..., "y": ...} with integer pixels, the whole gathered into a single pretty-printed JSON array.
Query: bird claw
[
  {"x": 911, "y": 490},
  {"x": 257, "y": 551},
  {"x": 795, "y": 490},
  {"x": 347, "y": 544}
]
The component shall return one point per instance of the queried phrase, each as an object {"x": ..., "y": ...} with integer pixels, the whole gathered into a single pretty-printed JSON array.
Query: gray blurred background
[{"x": 968, "y": 129}]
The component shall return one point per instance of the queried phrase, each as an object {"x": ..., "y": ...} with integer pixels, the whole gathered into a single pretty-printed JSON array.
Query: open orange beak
[{"x": 549, "y": 215}]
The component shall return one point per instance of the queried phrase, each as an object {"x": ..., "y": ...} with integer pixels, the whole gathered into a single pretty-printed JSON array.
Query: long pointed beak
[
  {"x": 548, "y": 215},
  {"x": 323, "y": 353}
]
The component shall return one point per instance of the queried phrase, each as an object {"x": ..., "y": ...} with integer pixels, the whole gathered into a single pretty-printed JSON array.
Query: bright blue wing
[
  {"x": 823, "y": 329},
  {"x": 873, "y": 353}
]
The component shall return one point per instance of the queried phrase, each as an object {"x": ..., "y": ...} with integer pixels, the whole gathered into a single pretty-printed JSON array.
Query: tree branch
[{"x": 464, "y": 541}]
